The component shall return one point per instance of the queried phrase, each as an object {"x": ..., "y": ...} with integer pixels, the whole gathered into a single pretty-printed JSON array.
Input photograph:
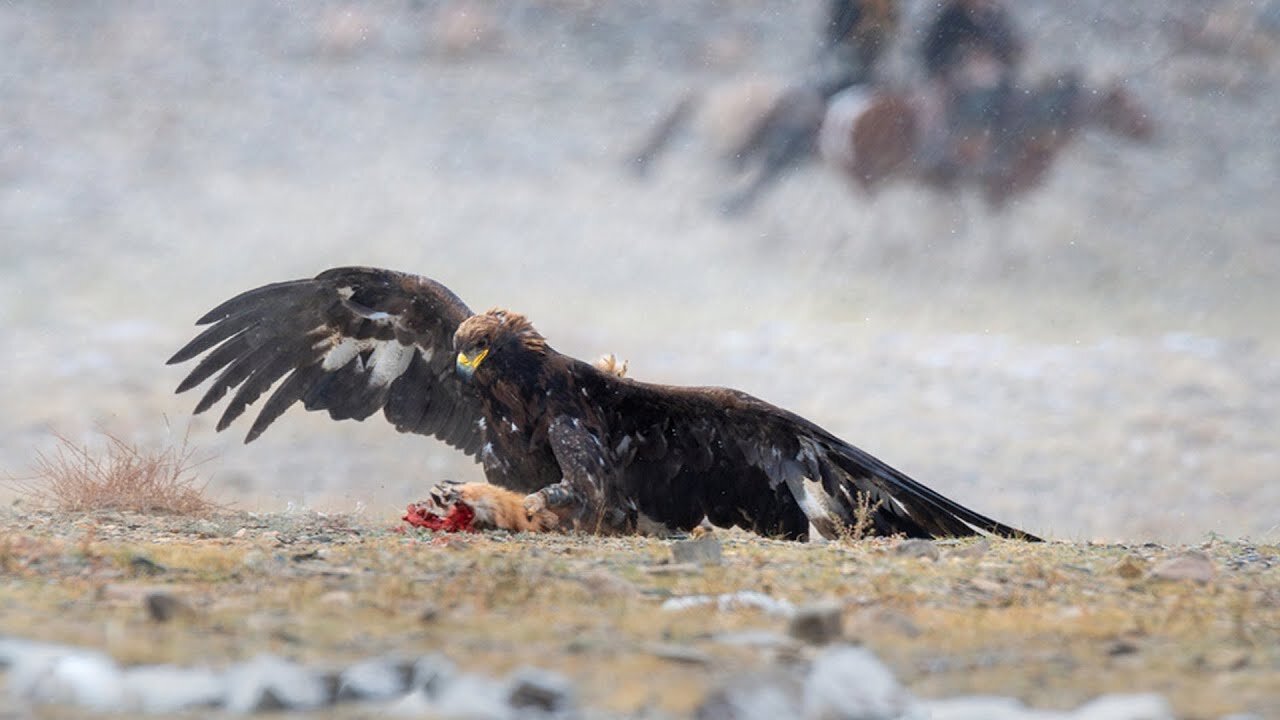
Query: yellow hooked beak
[{"x": 466, "y": 364}]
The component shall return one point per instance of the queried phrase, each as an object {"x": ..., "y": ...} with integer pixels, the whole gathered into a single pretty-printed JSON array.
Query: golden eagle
[{"x": 605, "y": 453}]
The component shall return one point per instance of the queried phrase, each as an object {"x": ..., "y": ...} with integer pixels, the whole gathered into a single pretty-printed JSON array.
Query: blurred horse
[{"x": 876, "y": 135}]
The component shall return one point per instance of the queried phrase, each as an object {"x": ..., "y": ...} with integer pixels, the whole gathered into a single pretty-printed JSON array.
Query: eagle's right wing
[{"x": 351, "y": 341}]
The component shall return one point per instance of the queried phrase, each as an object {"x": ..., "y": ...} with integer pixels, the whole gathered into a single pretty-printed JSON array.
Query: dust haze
[{"x": 1097, "y": 361}]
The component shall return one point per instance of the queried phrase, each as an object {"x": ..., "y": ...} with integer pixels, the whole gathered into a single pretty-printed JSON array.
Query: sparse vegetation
[
  {"x": 862, "y": 515},
  {"x": 121, "y": 476}
]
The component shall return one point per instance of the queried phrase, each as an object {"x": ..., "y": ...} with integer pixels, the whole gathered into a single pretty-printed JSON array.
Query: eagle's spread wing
[
  {"x": 744, "y": 462},
  {"x": 351, "y": 341}
]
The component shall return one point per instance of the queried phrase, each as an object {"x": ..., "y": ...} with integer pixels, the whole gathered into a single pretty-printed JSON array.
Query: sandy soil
[{"x": 1096, "y": 362}]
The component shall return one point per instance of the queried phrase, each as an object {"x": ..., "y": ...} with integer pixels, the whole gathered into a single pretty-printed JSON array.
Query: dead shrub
[
  {"x": 863, "y": 519},
  {"x": 122, "y": 476}
]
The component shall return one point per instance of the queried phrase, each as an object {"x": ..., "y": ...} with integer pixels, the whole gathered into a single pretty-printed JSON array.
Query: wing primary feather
[
  {"x": 226, "y": 353},
  {"x": 211, "y": 336},
  {"x": 253, "y": 387},
  {"x": 231, "y": 376},
  {"x": 249, "y": 300},
  {"x": 289, "y": 392}
]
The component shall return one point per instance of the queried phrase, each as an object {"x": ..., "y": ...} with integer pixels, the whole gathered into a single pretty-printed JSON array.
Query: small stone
[
  {"x": 431, "y": 673},
  {"x": 1120, "y": 648},
  {"x": 672, "y": 569},
  {"x": 338, "y": 599},
  {"x": 601, "y": 583},
  {"x": 539, "y": 690},
  {"x": 851, "y": 682},
  {"x": 984, "y": 585},
  {"x": 241, "y": 533},
  {"x": 679, "y": 653},
  {"x": 918, "y": 548},
  {"x": 269, "y": 682},
  {"x": 752, "y": 698},
  {"x": 1191, "y": 565},
  {"x": 146, "y": 566},
  {"x": 1131, "y": 567},
  {"x": 473, "y": 697},
  {"x": 1145, "y": 706},
  {"x": 973, "y": 550},
  {"x": 818, "y": 624},
  {"x": 163, "y": 607},
  {"x": 169, "y": 689},
  {"x": 374, "y": 679},
  {"x": 705, "y": 550},
  {"x": 429, "y": 614}
]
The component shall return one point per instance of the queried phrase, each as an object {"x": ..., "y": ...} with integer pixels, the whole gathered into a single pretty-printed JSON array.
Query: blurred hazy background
[{"x": 1096, "y": 361}]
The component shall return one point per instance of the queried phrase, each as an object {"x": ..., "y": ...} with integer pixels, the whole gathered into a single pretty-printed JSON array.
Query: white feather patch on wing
[
  {"x": 388, "y": 362},
  {"x": 343, "y": 352}
]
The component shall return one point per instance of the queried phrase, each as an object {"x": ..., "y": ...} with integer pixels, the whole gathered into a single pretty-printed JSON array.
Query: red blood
[{"x": 457, "y": 519}]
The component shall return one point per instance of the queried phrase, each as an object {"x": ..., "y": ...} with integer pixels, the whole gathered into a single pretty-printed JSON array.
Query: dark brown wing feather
[
  {"x": 351, "y": 341},
  {"x": 744, "y": 462}
]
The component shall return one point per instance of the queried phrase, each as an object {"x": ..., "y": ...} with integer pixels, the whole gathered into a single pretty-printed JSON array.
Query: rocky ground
[{"x": 247, "y": 612}]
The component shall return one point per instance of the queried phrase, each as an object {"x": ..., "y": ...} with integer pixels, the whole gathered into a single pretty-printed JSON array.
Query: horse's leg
[
  {"x": 785, "y": 138},
  {"x": 662, "y": 133}
]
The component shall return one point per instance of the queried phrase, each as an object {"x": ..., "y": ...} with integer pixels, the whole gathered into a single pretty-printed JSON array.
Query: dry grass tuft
[
  {"x": 862, "y": 519},
  {"x": 123, "y": 476}
]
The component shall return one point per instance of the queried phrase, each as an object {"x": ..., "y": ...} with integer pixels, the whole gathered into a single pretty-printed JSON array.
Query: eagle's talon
[{"x": 534, "y": 505}]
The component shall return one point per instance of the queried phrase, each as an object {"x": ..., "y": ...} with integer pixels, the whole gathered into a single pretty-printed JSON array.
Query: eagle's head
[{"x": 494, "y": 341}]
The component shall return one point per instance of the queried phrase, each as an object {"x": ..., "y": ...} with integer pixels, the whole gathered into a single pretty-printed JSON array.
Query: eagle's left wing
[
  {"x": 744, "y": 462},
  {"x": 351, "y": 341}
]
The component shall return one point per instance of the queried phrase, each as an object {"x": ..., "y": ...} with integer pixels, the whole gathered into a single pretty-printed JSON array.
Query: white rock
[
  {"x": 268, "y": 682},
  {"x": 169, "y": 689},
  {"x": 755, "y": 698},
  {"x": 54, "y": 674},
  {"x": 374, "y": 679},
  {"x": 1145, "y": 706},
  {"x": 539, "y": 689},
  {"x": 472, "y": 697},
  {"x": 851, "y": 682},
  {"x": 976, "y": 707},
  {"x": 431, "y": 673}
]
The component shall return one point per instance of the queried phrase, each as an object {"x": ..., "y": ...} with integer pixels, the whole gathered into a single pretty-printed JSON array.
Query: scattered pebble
[
  {"x": 1131, "y": 567},
  {"x": 165, "y": 689},
  {"x": 269, "y": 682},
  {"x": 851, "y": 682},
  {"x": 842, "y": 681},
  {"x": 975, "y": 707},
  {"x": 1191, "y": 565},
  {"x": 733, "y": 601},
  {"x": 752, "y": 698},
  {"x": 679, "y": 653},
  {"x": 1145, "y": 706},
  {"x": 534, "y": 688},
  {"x": 66, "y": 676},
  {"x": 704, "y": 550},
  {"x": 818, "y": 624},
  {"x": 918, "y": 548},
  {"x": 973, "y": 550},
  {"x": 375, "y": 679},
  {"x": 163, "y": 607}
]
